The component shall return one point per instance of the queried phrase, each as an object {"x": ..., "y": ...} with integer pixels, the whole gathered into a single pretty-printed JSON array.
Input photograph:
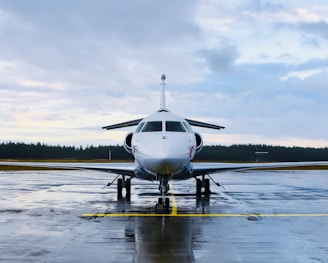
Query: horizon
[{"x": 121, "y": 145}]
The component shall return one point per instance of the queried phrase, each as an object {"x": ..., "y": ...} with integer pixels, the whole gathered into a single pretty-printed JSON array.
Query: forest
[{"x": 238, "y": 153}]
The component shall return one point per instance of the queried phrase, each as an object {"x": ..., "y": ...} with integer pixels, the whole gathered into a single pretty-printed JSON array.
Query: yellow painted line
[
  {"x": 200, "y": 215},
  {"x": 175, "y": 213},
  {"x": 174, "y": 204}
]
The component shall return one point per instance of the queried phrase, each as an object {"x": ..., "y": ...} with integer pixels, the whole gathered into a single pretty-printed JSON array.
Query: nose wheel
[{"x": 163, "y": 207}]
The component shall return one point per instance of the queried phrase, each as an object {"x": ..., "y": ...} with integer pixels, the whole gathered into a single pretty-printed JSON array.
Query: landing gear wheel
[
  {"x": 128, "y": 186},
  {"x": 167, "y": 204},
  {"x": 163, "y": 204},
  {"x": 119, "y": 188},
  {"x": 163, "y": 207},
  {"x": 159, "y": 206},
  {"x": 128, "y": 189},
  {"x": 198, "y": 187},
  {"x": 207, "y": 187}
]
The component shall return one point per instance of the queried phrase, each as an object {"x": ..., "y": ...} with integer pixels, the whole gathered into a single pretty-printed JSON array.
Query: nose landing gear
[{"x": 163, "y": 205}]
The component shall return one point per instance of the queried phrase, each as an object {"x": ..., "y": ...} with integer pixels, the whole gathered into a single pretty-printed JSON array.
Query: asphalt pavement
[{"x": 259, "y": 216}]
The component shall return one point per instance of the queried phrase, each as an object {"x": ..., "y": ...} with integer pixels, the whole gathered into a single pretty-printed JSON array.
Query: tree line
[
  {"x": 12, "y": 150},
  {"x": 249, "y": 152}
]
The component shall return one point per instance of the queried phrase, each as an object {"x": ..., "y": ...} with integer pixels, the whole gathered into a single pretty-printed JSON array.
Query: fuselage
[{"x": 163, "y": 144}]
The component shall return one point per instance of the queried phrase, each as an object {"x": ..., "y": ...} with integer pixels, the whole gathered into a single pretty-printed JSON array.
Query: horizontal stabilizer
[
  {"x": 204, "y": 124},
  {"x": 122, "y": 124}
]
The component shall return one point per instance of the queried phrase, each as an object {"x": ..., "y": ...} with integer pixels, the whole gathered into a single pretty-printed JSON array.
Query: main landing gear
[
  {"x": 121, "y": 184},
  {"x": 163, "y": 205},
  {"x": 204, "y": 183}
]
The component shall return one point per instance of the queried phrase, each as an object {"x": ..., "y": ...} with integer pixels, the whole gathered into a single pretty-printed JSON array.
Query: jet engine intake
[
  {"x": 199, "y": 142},
  {"x": 128, "y": 142}
]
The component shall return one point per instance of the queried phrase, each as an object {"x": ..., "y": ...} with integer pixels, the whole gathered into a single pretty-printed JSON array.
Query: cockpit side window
[
  {"x": 174, "y": 126},
  {"x": 152, "y": 126},
  {"x": 189, "y": 129},
  {"x": 140, "y": 125}
]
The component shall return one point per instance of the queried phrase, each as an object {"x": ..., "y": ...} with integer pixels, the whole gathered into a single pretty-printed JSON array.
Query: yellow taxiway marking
[
  {"x": 174, "y": 204},
  {"x": 201, "y": 215}
]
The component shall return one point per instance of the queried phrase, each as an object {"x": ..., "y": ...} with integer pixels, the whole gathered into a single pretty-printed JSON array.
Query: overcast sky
[{"x": 260, "y": 68}]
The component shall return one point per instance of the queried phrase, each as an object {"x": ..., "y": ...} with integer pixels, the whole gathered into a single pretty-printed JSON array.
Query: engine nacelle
[
  {"x": 199, "y": 142},
  {"x": 128, "y": 142}
]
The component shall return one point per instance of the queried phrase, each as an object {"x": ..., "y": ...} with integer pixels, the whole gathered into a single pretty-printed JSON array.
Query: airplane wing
[
  {"x": 198, "y": 168},
  {"x": 122, "y": 124},
  {"x": 204, "y": 124},
  {"x": 210, "y": 168},
  {"x": 136, "y": 122},
  {"x": 116, "y": 168}
]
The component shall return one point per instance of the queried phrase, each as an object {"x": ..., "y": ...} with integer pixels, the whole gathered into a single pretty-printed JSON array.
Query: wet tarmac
[{"x": 260, "y": 216}]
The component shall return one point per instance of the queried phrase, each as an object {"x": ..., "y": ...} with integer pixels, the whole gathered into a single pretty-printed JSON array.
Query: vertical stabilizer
[{"x": 162, "y": 106}]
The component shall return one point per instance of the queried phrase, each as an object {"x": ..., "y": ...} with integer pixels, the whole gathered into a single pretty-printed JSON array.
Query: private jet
[{"x": 163, "y": 146}]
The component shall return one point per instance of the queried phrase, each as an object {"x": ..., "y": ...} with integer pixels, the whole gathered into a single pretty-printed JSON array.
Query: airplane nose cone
[
  {"x": 165, "y": 156},
  {"x": 165, "y": 165}
]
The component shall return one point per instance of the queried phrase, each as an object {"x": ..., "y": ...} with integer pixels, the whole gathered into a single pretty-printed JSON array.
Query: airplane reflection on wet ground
[{"x": 260, "y": 216}]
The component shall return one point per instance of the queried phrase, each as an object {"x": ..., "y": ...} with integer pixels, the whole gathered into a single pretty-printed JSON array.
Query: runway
[{"x": 259, "y": 216}]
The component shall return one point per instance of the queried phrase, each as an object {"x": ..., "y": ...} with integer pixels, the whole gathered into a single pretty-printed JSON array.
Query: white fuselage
[{"x": 163, "y": 144}]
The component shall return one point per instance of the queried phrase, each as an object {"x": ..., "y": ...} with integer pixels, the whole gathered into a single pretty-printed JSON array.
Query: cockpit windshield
[
  {"x": 152, "y": 126},
  {"x": 174, "y": 126},
  {"x": 157, "y": 126}
]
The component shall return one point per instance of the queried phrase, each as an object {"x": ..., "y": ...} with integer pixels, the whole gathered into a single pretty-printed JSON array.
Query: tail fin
[{"x": 162, "y": 105}]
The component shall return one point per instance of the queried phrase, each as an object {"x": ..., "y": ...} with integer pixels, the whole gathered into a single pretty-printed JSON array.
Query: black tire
[
  {"x": 198, "y": 187},
  {"x": 119, "y": 188},
  {"x": 128, "y": 186},
  {"x": 159, "y": 208},
  {"x": 167, "y": 204},
  {"x": 207, "y": 187}
]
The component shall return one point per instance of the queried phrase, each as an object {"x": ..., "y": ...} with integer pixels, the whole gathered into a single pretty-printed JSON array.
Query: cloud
[
  {"x": 317, "y": 28},
  {"x": 220, "y": 59},
  {"x": 265, "y": 6},
  {"x": 254, "y": 99},
  {"x": 257, "y": 67},
  {"x": 106, "y": 36},
  {"x": 303, "y": 74}
]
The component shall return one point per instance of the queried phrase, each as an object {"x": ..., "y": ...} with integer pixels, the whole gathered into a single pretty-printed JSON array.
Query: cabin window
[
  {"x": 152, "y": 126},
  {"x": 174, "y": 126},
  {"x": 140, "y": 125}
]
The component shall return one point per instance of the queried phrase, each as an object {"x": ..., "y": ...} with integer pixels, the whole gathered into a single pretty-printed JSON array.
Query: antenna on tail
[{"x": 162, "y": 106}]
